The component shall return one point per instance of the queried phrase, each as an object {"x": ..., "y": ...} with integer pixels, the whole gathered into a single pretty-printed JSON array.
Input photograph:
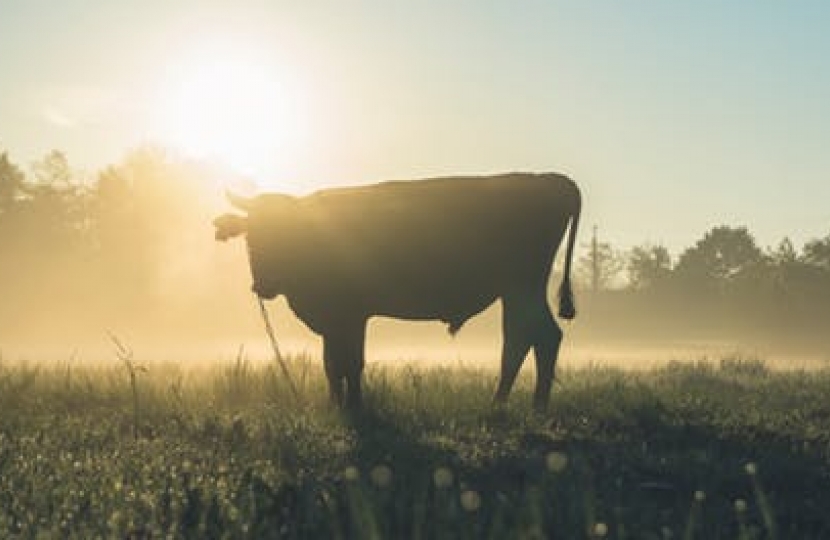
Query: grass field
[{"x": 719, "y": 449}]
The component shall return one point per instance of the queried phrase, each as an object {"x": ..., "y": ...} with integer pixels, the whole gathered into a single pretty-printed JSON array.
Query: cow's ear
[{"x": 230, "y": 226}]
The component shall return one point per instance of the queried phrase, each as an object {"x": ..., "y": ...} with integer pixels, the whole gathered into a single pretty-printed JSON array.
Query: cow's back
[{"x": 438, "y": 248}]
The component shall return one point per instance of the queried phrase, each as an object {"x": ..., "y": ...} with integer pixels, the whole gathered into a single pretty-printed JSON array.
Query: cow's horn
[{"x": 243, "y": 203}]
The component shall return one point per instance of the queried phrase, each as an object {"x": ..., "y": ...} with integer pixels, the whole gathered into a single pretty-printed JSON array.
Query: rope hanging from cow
[{"x": 270, "y": 331}]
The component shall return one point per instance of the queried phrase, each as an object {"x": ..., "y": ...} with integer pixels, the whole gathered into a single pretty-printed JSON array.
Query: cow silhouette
[{"x": 436, "y": 249}]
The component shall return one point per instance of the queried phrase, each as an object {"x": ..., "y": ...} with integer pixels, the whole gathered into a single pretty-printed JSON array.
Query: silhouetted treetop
[
  {"x": 723, "y": 254},
  {"x": 817, "y": 252},
  {"x": 649, "y": 266}
]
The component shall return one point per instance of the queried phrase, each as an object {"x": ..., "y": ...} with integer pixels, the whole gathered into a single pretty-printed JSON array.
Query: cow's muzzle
[{"x": 263, "y": 293}]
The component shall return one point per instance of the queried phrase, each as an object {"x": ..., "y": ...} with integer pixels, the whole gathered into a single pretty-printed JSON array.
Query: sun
[{"x": 229, "y": 103}]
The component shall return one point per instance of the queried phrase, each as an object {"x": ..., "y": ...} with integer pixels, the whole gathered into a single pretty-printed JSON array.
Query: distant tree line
[
  {"x": 134, "y": 241},
  {"x": 724, "y": 285},
  {"x": 74, "y": 246}
]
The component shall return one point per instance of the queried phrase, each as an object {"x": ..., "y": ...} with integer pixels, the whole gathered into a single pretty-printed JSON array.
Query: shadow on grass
[{"x": 637, "y": 476}]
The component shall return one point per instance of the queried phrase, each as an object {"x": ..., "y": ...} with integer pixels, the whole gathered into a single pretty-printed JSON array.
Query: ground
[{"x": 709, "y": 449}]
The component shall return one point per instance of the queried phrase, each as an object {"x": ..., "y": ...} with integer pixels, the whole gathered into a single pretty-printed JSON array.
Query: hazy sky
[{"x": 673, "y": 116}]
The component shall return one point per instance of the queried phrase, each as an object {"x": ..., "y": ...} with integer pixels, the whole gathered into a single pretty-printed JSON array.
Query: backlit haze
[{"x": 673, "y": 117}]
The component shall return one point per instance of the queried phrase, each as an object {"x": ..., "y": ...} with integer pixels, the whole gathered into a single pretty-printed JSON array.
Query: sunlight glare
[{"x": 226, "y": 103}]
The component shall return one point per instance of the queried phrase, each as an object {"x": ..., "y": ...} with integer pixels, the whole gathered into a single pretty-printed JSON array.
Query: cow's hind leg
[
  {"x": 527, "y": 321},
  {"x": 546, "y": 340}
]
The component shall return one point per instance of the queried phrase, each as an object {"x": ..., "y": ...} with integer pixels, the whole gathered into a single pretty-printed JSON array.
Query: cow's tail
[{"x": 567, "y": 309}]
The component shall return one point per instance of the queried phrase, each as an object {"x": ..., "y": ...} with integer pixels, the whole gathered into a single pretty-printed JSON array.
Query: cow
[{"x": 435, "y": 249}]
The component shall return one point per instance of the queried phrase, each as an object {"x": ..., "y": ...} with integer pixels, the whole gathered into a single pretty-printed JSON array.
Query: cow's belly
[
  {"x": 454, "y": 310},
  {"x": 452, "y": 302},
  {"x": 329, "y": 305},
  {"x": 435, "y": 282}
]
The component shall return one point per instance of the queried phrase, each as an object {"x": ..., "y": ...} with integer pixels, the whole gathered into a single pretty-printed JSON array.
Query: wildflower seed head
[
  {"x": 700, "y": 496},
  {"x": 751, "y": 469},
  {"x": 442, "y": 477},
  {"x": 351, "y": 474},
  {"x": 470, "y": 500},
  {"x": 740, "y": 505},
  {"x": 600, "y": 530},
  {"x": 556, "y": 461},
  {"x": 381, "y": 476}
]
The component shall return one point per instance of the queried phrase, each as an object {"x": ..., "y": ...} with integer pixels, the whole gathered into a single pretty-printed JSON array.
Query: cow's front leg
[
  {"x": 344, "y": 358},
  {"x": 334, "y": 373},
  {"x": 516, "y": 330}
]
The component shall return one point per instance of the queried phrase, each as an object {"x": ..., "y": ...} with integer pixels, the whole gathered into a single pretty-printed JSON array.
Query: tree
[
  {"x": 601, "y": 265},
  {"x": 57, "y": 204},
  {"x": 721, "y": 256},
  {"x": 817, "y": 252},
  {"x": 149, "y": 215},
  {"x": 648, "y": 266},
  {"x": 784, "y": 253},
  {"x": 53, "y": 170},
  {"x": 11, "y": 182},
  {"x": 787, "y": 271},
  {"x": 11, "y": 190}
]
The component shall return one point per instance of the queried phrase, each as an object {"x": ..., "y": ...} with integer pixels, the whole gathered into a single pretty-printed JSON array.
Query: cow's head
[{"x": 262, "y": 223}]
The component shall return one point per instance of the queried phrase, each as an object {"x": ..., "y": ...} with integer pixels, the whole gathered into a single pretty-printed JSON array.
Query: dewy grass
[
  {"x": 125, "y": 355},
  {"x": 705, "y": 450}
]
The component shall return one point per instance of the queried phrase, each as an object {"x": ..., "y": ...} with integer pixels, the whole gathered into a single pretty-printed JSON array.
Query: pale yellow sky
[{"x": 673, "y": 117}]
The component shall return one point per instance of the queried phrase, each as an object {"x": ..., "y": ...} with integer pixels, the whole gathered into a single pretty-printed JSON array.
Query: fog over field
[{"x": 131, "y": 252}]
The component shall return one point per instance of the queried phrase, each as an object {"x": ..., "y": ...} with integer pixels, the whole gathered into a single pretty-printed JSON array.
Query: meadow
[{"x": 715, "y": 448}]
